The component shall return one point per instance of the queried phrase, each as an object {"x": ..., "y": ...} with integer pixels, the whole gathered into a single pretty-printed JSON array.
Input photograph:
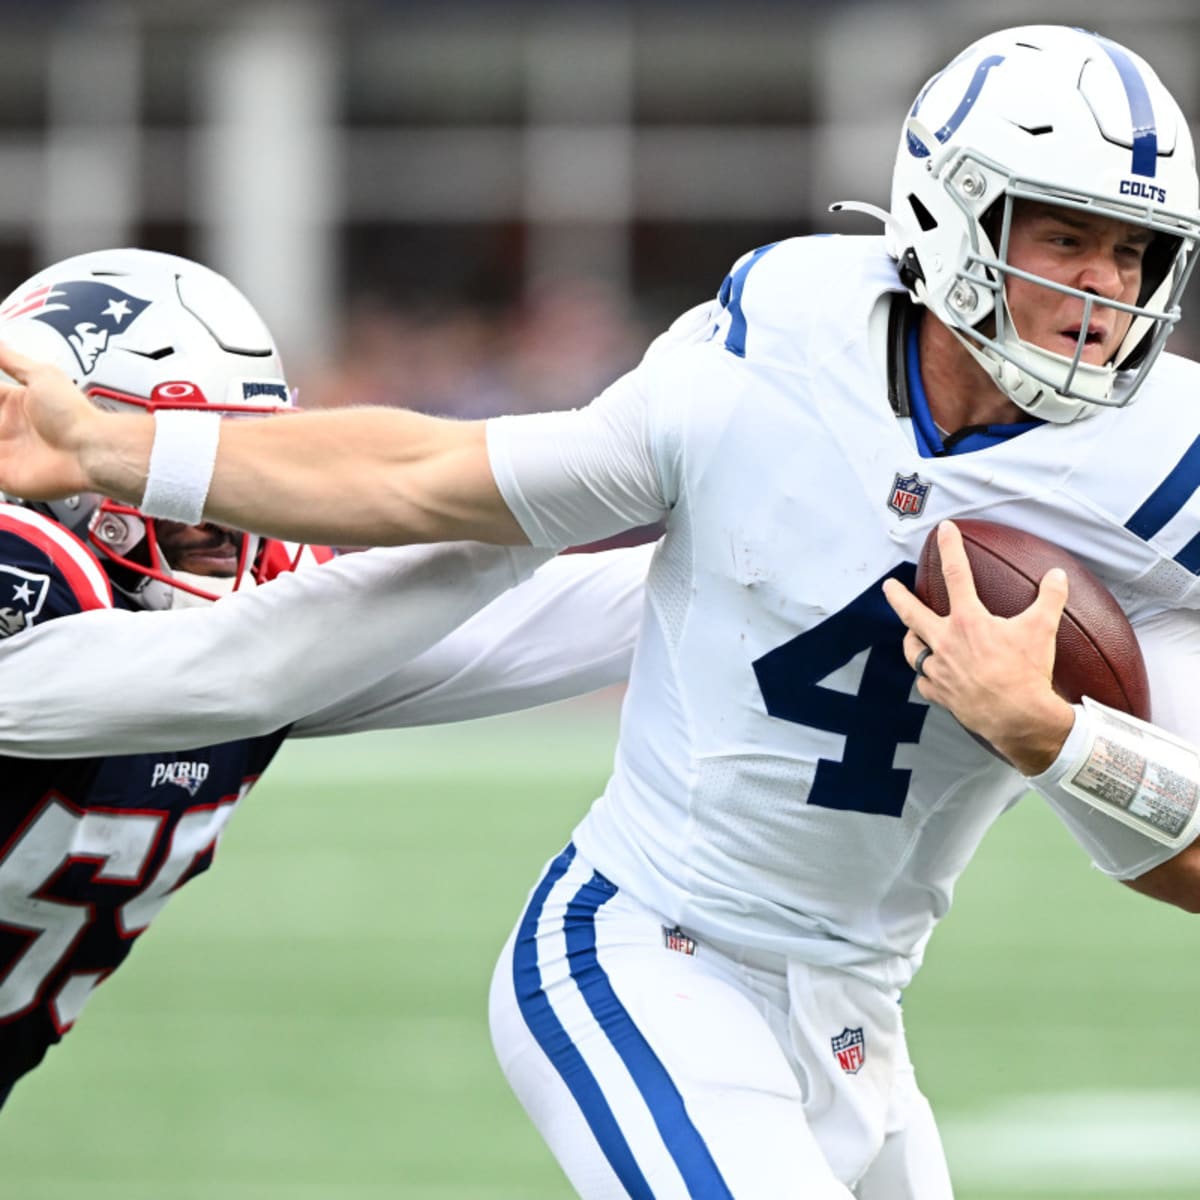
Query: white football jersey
[{"x": 779, "y": 782}]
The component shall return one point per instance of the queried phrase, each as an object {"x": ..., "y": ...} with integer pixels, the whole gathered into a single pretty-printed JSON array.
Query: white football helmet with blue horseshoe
[{"x": 1057, "y": 116}]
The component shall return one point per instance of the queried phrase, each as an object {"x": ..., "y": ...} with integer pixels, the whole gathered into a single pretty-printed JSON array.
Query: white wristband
[{"x": 181, "y": 464}]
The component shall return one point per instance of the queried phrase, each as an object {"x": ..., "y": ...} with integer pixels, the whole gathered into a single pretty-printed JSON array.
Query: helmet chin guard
[
  {"x": 1055, "y": 117},
  {"x": 130, "y": 547},
  {"x": 138, "y": 330}
]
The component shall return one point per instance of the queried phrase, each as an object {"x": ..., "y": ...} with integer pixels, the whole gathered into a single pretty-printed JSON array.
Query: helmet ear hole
[
  {"x": 991, "y": 221},
  {"x": 1157, "y": 261},
  {"x": 925, "y": 219}
]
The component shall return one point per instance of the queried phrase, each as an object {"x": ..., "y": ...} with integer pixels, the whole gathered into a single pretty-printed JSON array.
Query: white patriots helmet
[
  {"x": 1060, "y": 117},
  {"x": 140, "y": 330}
]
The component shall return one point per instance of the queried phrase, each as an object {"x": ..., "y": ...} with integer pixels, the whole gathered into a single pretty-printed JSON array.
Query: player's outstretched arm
[
  {"x": 994, "y": 674},
  {"x": 252, "y": 663},
  {"x": 569, "y": 630},
  {"x": 362, "y": 476}
]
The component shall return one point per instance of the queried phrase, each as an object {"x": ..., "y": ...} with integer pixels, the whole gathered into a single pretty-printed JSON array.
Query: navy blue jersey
[{"x": 90, "y": 849}]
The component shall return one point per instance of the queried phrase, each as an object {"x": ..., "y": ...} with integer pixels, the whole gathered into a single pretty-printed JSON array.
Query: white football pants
[{"x": 661, "y": 1068}]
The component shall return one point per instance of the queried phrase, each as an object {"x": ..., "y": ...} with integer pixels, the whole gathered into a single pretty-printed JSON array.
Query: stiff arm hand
[
  {"x": 45, "y": 423},
  {"x": 993, "y": 673}
]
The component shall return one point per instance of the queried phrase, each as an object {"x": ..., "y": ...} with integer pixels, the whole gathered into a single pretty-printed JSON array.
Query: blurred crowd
[{"x": 557, "y": 349}]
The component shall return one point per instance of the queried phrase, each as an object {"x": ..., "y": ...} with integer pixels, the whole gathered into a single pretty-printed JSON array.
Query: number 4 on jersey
[{"x": 875, "y": 720}]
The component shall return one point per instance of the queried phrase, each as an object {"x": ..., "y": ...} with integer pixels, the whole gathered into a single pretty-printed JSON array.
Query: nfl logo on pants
[{"x": 849, "y": 1048}]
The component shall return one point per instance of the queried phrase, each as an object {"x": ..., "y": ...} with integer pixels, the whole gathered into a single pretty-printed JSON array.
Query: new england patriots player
[
  {"x": 97, "y": 834},
  {"x": 701, "y": 997}
]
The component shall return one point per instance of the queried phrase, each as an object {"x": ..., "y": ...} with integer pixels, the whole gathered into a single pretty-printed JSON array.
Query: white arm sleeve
[
  {"x": 114, "y": 682},
  {"x": 576, "y": 477},
  {"x": 568, "y": 630},
  {"x": 1171, "y": 647}
]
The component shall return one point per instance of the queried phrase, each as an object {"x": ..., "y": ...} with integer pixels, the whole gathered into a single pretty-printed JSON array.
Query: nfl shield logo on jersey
[
  {"x": 676, "y": 939},
  {"x": 909, "y": 493},
  {"x": 22, "y": 594},
  {"x": 850, "y": 1049}
]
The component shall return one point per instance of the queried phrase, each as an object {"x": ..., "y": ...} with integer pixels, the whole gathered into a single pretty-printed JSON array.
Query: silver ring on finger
[{"x": 919, "y": 664}]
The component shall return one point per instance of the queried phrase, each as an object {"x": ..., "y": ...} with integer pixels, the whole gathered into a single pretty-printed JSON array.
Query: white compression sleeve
[{"x": 250, "y": 663}]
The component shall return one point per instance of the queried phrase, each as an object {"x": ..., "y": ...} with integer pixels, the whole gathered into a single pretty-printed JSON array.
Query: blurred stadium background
[{"x": 476, "y": 209}]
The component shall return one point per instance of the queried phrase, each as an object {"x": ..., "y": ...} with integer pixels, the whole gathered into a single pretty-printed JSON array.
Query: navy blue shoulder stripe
[
  {"x": 1166, "y": 501},
  {"x": 730, "y": 297},
  {"x": 1189, "y": 556}
]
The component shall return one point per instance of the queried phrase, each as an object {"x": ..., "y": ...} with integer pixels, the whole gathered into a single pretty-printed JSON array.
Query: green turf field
[{"x": 308, "y": 1021}]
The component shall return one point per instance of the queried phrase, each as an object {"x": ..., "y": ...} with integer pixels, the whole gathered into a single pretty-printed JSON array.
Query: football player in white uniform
[
  {"x": 701, "y": 997},
  {"x": 123, "y": 808}
]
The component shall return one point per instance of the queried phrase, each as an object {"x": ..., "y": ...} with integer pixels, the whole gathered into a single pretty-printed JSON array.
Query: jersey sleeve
[
  {"x": 45, "y": 572},
  {"x": 570, "y": 478},
  {"x": 569, "y": 630},
  {"x": 1170, "y": 644},
  {"x": 251, "y": 663},
  {"x": 575, "y": 477}
]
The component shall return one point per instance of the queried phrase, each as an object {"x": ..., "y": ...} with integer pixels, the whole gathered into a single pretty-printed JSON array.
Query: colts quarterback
[{"x": 701, "y": 996}]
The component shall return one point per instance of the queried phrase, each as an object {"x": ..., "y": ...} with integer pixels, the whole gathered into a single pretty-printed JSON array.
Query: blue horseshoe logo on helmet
[{"x": 917, "y": 148}]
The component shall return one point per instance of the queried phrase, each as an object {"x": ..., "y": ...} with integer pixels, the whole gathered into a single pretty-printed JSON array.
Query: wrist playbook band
[
  {"x": 1139, "y": 774},
  {"x": 181, "y": 465}
]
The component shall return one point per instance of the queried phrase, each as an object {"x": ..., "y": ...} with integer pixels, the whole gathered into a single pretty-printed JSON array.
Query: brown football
[{"x": 1097, "y": 653}]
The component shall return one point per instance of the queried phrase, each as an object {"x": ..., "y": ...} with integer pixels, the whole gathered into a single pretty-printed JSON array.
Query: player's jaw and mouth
[
  {"x": 1102, "y": 337},
  {"x": 207, "y": 550},
  {"x": 1057, "y": 327}
]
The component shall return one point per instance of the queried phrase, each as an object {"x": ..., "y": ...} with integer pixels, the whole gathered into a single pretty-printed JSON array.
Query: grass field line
[
  {"x": 1082, "y": 1143},
  {"x": 1079, "y": 1143},
  {"x": 234, "y": 1188},
  {"x": 557, "y": 738}
]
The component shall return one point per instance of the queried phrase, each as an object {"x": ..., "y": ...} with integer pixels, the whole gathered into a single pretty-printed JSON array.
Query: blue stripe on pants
[
  {"x": 682, "y": 1139},
  {"x": 554, "y": 1040}
]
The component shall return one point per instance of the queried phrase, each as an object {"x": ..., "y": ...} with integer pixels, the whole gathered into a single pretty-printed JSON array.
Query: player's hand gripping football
[
  {"x": 44, "y": 430},
  {"x": 994, "y": 674}
]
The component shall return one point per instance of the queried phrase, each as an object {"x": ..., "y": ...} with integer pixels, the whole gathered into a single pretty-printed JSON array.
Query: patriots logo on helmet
[
  {"x": 22, "y": 594},
  {"x": 87, "y": 313}
]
